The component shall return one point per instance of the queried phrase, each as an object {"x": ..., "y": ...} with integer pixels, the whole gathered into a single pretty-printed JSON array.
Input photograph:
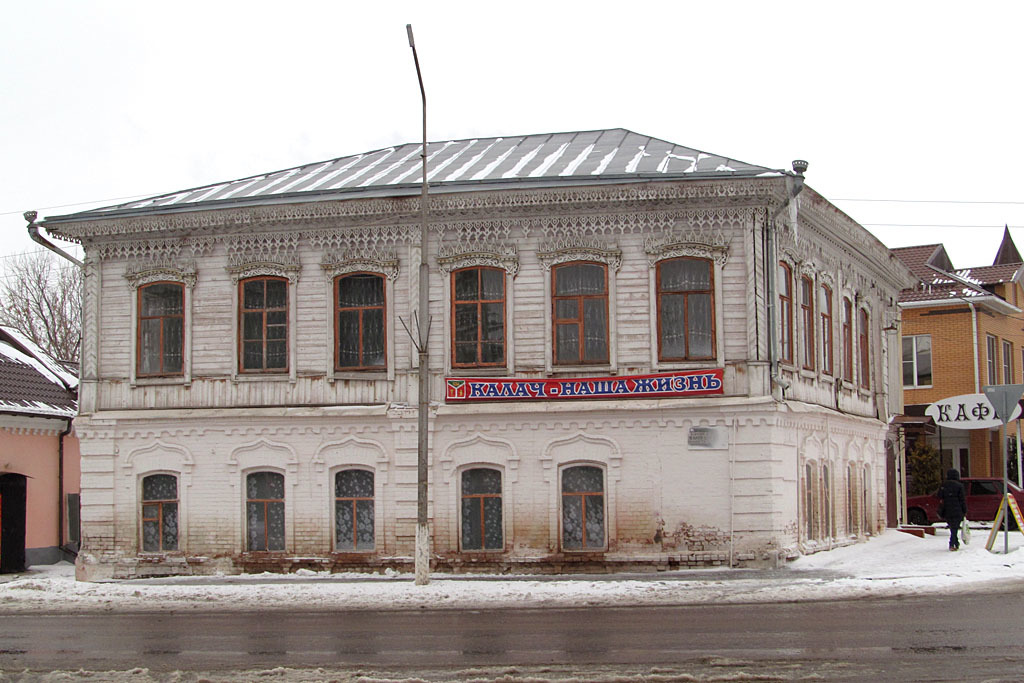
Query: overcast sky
[{"x": 914, "y": 105}]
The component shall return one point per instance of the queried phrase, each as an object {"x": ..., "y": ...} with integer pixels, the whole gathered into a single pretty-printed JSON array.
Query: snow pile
[{"x": 893, "y": 564}]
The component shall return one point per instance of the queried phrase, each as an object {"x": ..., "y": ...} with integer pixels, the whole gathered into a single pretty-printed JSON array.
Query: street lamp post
[{"x": 422, "y": 559}]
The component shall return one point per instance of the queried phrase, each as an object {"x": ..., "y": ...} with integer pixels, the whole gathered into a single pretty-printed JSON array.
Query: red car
[{"x": 983, "y": 495}]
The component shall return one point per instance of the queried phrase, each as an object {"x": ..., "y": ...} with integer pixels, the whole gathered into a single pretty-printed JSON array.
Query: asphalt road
[{"x": 969, "y": 637}]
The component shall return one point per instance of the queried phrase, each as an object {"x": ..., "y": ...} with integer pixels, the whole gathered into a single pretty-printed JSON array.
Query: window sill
[
  {"x": 159, "y": 381},
  {"x": 485, "y": 371},
  {"x": 685, "y": 365},
  {"x": 364, "y": 375},
  {"x": 268, "y": 377},
  {"x": 348, "y": 553},
  {"x": 604, "y": 368}
]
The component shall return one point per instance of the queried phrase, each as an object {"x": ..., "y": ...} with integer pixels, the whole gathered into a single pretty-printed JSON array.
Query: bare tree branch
[{"x": 41, "y": 295}]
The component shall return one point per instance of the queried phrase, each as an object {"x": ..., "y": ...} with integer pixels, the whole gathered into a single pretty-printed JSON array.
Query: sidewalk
[{"x": 891, "y": 565}]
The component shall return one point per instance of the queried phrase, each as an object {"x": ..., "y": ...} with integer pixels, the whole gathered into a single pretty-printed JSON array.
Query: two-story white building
[{"x": 642, "y": 355}]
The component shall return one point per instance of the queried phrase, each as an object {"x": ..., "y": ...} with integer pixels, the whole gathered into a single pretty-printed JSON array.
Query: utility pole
[{"x": 422, "y": 559}]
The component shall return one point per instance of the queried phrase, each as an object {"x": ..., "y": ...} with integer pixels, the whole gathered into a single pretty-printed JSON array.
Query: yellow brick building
[{"x": 961, "y": 331}]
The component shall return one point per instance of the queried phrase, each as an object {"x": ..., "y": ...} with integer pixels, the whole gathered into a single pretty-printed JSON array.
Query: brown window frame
[
  {"x": 579, "y": 321},
  {"x": 847, "y": 339},
  {"x": 242, "y": 310},
  {"x": 786, "y": 313},
  {"x": 480, "y": 302},
  {"x": 810, "y": 352},
  {"x": 864, "y": 348},
  {"x": 159, "y": 519},
  {"x": 338, "y": 309},
  {"x": 355, "y": 500},
  {"x": 266, "y": 515},
  {"x": 162, "y": 318},
  {"x": 827, "y": 341},
  {"x": 483, "y": 516},
  {"x": 583, "y": 495},
  {"x": 710, "y": 292}
]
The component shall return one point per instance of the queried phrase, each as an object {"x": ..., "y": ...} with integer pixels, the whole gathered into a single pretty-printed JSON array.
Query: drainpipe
[
  {"x": 794, "y": 185},
  {"x": 974, "y": 329},
  {"x": 61, "y": 545},
  {"x": 34, "y": 234}
]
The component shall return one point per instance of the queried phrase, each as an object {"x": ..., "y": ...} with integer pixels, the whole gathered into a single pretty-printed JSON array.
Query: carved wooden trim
[
  {"x": 335, "y": 264},
  {"x": 247, "y": 270},
  {"x": 142, "y": 274},
  {"x": 578, "y": 248}
]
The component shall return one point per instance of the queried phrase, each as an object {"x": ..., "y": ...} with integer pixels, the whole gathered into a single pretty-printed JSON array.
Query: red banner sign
[{"x": 664, "y": 385}]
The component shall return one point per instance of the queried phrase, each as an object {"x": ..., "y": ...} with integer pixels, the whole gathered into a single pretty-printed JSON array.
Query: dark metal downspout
[{"x": 61, "y": 545}]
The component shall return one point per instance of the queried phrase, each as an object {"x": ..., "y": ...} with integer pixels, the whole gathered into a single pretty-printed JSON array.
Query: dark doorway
[{"x": 12, "y": 523}]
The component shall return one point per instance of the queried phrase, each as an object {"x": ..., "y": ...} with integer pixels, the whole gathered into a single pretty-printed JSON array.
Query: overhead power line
[
  {"x": 936, "y": 225},
  {"x": 926, "y": 201}
]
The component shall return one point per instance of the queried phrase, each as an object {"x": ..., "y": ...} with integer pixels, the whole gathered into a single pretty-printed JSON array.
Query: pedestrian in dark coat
[{"x": 952, "y": 506}]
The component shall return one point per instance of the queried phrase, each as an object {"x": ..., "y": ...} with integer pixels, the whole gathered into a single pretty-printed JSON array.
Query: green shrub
[{"x": 924, "y": 469}]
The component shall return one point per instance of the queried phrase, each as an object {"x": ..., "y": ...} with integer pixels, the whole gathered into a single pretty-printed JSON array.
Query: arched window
[
  {"x": 866, "y": 506},
  {"x": 481, "y": 510},
  {"x": 808, "y": 352},
  {"x": 785, "y": 312},
  {"x": 864, "y": 347},
  {"x": 478, "y": 317},
  {"x": 826, "y": 501},
  {"x": 847, "y": 339},
  {"x": 264, "y": 511},
  {"x": 263, "y": 324},
  {"x": 359, "y": 322},
  {"x": 826, "y": 330},
  {"x": 851, "y": 518},
  {"x": 161, "y": 331},
  {"x": 159, "y": 513},
  {"x": 353, "y": 510},
  {"x": 686, "y": 308},
  {"x": 580, "y": 309},
  {"x": 811, "y": 499},
  {"x": 583, "y": 525}
]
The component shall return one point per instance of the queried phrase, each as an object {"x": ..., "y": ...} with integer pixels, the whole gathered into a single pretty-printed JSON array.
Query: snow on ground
[{"x": 892, "y": 564}]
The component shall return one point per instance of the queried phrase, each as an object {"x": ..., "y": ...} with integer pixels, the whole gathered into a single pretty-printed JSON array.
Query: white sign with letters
[{"x": 967, "y": 411}]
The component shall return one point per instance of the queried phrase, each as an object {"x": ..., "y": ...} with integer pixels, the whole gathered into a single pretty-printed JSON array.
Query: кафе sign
[
  {"x": 663, "y": 385},
  {"x": 967, "y": 411}
]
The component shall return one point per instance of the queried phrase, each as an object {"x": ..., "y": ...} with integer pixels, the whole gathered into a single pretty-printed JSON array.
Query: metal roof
[{"x": 479, "y": 163}]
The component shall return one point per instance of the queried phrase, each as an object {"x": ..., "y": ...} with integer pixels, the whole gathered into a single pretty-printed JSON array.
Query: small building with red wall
[{"x": 39, "y": 456}]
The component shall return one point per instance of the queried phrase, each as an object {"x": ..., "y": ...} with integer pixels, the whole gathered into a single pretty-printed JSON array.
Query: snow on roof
[
  {"x": 32, "y": 383},
  {"x": 49, "y": 367},
  {"x": 563, "y": 158}
]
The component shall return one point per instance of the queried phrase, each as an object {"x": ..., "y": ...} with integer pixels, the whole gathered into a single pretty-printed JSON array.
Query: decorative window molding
[
  {"x": 452, "y": 257},
  {"x": 384, "y": 262},
  {"x": 139, "y": 275},
  {"x": 577, "y": 248},
  {"x": 144, "y": 274},
  {"x": 713, "y": 245},
  {"x": 243, "y": 271}
]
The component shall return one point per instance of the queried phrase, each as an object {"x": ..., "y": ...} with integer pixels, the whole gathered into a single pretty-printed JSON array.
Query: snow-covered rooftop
[
  {"x": 32, "y": 383},
  {"x": 478, "y": 163}
]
